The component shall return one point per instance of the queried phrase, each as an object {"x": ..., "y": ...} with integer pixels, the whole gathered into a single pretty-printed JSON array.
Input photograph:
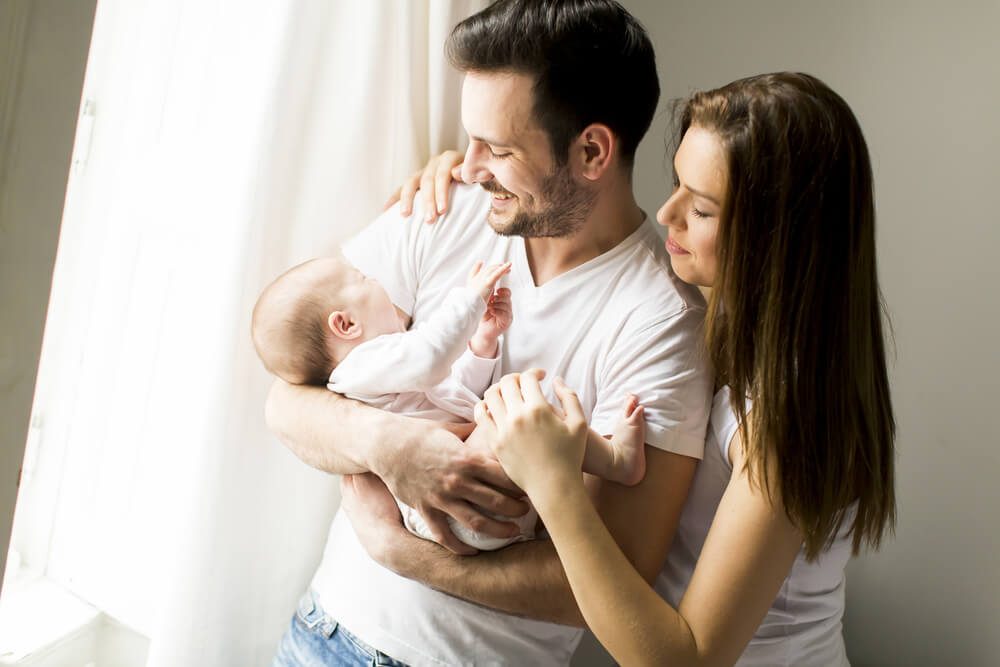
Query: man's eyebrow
[{"x": 491, "y": 142}]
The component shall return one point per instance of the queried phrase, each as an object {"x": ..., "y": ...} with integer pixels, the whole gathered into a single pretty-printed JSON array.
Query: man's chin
[{"x": 501, "y": 224}]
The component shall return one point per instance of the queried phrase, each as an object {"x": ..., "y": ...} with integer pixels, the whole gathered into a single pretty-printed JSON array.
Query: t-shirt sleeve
[
  {"x": 662, "y": 363},
  {"x": 389, "y": 250}
]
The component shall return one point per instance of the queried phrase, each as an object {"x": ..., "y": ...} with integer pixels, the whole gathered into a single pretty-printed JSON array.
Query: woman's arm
[{"x": 748, "y": 553}]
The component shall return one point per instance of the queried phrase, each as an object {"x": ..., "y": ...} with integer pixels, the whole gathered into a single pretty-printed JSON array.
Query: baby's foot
[{"x": 628, "y": 442}]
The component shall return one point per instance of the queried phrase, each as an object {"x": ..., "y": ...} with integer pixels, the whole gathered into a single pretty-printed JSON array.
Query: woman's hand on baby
[
  {"x": 433, "y": 183},
  {"x": 537, "y": 444}
]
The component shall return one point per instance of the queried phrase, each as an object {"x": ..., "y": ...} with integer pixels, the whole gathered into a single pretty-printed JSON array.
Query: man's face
[{"x": 510, "y": 157}]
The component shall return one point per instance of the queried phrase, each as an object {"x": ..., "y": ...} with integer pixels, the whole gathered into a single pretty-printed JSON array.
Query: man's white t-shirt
[{"x": 620, "y": 323}]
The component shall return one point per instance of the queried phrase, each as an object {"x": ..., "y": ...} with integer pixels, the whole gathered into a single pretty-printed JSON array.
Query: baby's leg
[{"x": 621, "y": 459}]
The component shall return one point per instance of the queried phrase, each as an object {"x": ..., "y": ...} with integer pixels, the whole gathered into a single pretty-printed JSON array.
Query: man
[{"x": 555, "y": 101}]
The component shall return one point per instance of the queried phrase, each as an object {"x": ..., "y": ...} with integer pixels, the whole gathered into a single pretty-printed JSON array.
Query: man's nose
[{"x": 474, "y": 168}]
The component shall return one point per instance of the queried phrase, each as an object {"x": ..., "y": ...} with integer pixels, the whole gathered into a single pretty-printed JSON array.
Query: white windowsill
[{"x": 44, "y": 625}]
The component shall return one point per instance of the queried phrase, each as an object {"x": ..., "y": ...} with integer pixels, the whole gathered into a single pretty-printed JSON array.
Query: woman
[{"x": 773, "y": 214}]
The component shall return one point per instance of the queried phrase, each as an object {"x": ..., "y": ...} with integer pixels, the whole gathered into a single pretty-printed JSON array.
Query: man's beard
[{"x": 566, "y": 207}]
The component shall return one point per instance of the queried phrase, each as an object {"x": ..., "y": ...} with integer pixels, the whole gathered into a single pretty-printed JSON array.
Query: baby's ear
[{"x": 343, "y": 326}]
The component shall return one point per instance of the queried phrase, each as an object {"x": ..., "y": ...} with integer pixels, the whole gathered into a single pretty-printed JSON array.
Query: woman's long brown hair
[{"x": 795, "y": 317}]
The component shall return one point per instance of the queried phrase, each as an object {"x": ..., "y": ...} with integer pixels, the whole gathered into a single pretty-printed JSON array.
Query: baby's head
[{"x": 311, "y": 316}]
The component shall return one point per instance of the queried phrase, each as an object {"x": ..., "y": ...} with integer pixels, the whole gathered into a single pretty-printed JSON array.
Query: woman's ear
[
  {"x": 342, "y": 326},
  {"x": 596, "y": 147}
]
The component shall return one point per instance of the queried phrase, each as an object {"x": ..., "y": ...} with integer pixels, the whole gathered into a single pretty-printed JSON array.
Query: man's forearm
[
  {"x": 524, "y": 579},
  {"x": 326, "y": 430},
  {"x": 527, "y": 579}
]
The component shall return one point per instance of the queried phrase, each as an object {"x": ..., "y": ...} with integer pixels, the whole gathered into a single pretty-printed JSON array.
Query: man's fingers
[
  {"x": 488, "y": 471},
  {"x": 495, "y": 502},
  {"x": 570, "y": 403},
  {"x": 476, "y": 521},
  {"x": 456, "y": 172},
  {"x": 462, "y": 430},
  {"x": 437, "y": 523}
]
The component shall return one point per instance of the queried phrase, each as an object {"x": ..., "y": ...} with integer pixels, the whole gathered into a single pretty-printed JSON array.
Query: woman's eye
[
  {"x": 499, "y": 156},
  {"x": 698, "y": 214}
]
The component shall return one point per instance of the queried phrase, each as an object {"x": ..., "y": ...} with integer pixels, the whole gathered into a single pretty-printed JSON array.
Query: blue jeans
[{"x": 316, "y": 640}]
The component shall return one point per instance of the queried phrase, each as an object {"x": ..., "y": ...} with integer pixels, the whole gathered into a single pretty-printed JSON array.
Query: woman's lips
[{"x": 675, "y": 249}]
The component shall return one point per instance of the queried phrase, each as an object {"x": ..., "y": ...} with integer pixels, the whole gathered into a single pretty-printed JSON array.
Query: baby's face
[{"x": 368, "y": 301}]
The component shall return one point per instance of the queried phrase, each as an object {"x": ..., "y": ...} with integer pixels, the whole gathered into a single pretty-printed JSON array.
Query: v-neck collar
[{"x": 522, "y": 277}]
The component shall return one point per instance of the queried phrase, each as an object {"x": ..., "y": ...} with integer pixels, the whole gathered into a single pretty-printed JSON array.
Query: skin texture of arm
[
  {"x": 749, "y": 550},
  {"x": 527, "y": 579},
  {"x": 424, "y": 463}
]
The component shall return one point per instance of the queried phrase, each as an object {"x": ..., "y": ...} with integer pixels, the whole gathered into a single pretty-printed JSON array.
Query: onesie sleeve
[
  {"x": 414, "y": 360},
  {"x": 475, "y": 373},
  {"x": 663, "y": 363}
]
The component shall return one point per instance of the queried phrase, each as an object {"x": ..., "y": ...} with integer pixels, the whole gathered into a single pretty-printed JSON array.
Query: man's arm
[
  {"x": 424, "y": 463},
  {"x": 329, "y": 432},
  {"x": 527, "y": 578}
]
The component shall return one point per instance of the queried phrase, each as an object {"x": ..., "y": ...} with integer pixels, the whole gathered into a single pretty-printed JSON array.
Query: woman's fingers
[
  {"x": 483, "y": 417},
  {"x": 510, "y": 391},
  {"x": 531, "y": 387},
  {"x": 407, "y": 193},
  {"x": 447, "y": 164},
  {"x": 495, "y": 404},
  {"x": 393, "y": 198}
]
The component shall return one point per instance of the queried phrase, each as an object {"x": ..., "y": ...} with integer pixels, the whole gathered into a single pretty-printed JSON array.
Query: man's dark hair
[{"x": 592, "y": 62}]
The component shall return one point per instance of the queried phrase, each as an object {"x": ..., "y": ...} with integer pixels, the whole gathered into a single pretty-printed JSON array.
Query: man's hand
[
  {"x": 373, "y": 513},
  {"x": 436, "y": 473}
]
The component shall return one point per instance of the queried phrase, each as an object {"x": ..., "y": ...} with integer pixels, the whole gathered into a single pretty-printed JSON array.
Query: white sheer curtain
[{"x": 230, "y": 140}]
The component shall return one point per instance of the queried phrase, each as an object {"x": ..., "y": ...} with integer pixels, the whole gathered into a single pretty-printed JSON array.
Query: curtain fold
[{"x": 337, "y": 103}]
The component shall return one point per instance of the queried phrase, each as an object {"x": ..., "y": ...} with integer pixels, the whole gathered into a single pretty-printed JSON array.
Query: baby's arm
[
  {"x": 498, "y": 315},
  {"x": 495, "y": 321},
  {"x": 622, "y": 458}
]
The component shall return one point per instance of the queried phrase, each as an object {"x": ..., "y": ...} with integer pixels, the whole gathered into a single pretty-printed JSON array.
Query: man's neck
[{"x": 614, "y": 217}]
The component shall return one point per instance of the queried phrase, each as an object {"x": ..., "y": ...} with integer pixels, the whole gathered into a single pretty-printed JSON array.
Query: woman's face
[{"x": 691, "y": 215}]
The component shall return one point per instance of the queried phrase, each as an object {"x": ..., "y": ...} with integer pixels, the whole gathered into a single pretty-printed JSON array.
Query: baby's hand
[
  {"x": 497, "y": 318},
  {"x": 483, "y": 280}
]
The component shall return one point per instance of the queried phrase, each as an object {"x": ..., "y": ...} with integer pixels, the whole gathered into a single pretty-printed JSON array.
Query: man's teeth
[{"x": 499, "y": 196}]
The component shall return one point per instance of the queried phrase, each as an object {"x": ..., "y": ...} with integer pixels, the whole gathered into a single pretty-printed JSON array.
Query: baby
[{"x": 325, "y": 315}]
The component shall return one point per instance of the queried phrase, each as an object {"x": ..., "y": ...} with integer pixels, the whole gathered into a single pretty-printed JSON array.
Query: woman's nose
[{"x": 669, "y": 215}]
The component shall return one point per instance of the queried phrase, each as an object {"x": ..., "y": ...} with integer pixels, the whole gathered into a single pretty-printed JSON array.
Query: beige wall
[
  {"x": 43, "y": 50},
  {"x": 924, "y": 79}
]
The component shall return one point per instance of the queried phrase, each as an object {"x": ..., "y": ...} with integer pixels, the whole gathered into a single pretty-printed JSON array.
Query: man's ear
[
  {"x": 343, "y": 326},
  {"x": 595, "y": 148}
]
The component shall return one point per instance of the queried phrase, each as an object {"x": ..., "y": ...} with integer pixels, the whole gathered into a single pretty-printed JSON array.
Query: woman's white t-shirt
[{"x": 803, "y": 626}]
